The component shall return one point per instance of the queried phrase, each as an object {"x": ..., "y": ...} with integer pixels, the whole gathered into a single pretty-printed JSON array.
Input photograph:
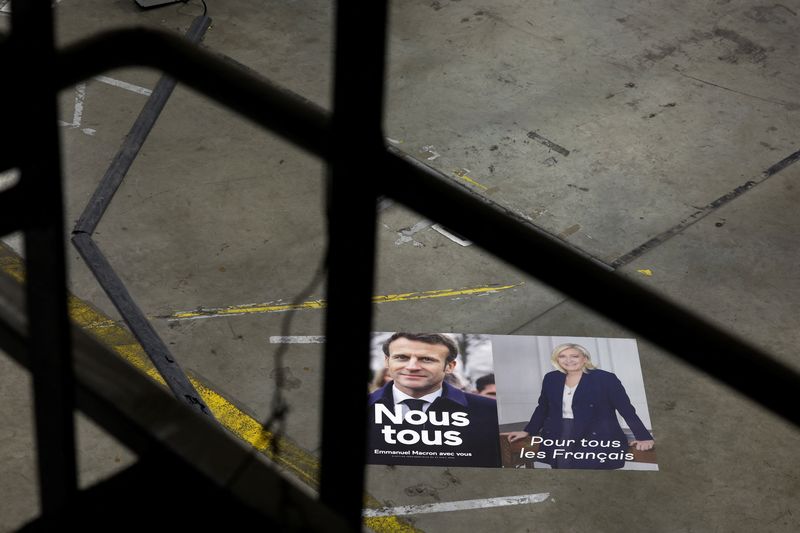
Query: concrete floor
[{"x": 660, "y": 107}]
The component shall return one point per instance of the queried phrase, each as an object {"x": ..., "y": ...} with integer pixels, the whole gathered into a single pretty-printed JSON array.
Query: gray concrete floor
[{"x": 663, "y": 107}]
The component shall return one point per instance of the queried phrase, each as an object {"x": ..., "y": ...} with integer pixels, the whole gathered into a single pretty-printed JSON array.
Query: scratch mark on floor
[
  {"x": 548, "y": 143},
  {"x": 790, "y": 106}
]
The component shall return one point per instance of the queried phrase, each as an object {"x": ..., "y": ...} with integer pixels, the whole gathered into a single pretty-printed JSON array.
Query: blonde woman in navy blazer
[{"x": 588, "y": 435}]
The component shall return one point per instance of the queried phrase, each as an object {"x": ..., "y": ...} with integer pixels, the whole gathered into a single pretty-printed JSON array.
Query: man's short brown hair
[{"x": 427, "y": 338}]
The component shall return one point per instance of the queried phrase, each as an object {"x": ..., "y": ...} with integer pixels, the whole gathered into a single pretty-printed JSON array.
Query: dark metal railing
[
  {"x": 353, "y": 189},
  {"x": 155, "y": 348},
  {"x": 29, "y": 51}
]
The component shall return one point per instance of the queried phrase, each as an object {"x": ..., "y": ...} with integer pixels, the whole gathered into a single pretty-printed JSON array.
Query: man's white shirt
[{"x": 399, "y": 396}]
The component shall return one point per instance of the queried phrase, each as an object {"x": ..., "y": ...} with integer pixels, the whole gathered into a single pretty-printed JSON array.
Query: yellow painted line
[
  {"x": 244, "y": 310},
  {"x": 321, "y": 304},
  {"x": 443, "y": 293},
  {"x": 463, "y": 175},
  {"x": 388, "y": 524},
  {"x": 12, "y": 265},
  {"x": 292, "y": 457},
  {"x": 473, "y": 182}
]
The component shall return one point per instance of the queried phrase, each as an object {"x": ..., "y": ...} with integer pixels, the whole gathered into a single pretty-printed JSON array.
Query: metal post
[
  {"x": 40, "y": 183},
  {"x": 357, "y": 120}
]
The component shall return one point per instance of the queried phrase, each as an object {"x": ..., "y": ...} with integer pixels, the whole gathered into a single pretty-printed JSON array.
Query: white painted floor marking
[
  {"x": 124, "y": 85},
  {"x": 77, "y": 113},
  {"x": 462, "y": 505},
  {"x": 454, "y": 238},
  {"x": 406, "y": 235},
  {"x": 298, "y": 339},
  {"x": 432, "y": 153}
]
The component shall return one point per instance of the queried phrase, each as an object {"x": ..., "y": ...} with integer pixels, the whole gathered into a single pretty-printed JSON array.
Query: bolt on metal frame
[{"x": 353, "y": 189}]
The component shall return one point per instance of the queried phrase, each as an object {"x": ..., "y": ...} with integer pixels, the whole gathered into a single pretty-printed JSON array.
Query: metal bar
[
  {"x": 152, "y": 344},
  {"x": 294, "y": 117},
  {"x": 34, "y": 123},
  {"x": 352, "y": 210},
  {"x": 136, "y": 137},
  {"x": 688, "y": 336}
]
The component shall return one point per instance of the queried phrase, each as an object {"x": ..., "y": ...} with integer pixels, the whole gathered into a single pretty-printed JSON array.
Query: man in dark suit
[{"x": 418, "y": 419}]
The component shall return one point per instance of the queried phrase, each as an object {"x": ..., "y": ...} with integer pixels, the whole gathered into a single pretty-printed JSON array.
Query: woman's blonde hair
[{"x": 561, "y": 347}]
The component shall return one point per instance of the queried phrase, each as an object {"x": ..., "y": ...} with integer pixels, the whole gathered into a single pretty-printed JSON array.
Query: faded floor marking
[
  {"x": 431, "y": 152},
  {"x": 569, "y": 231},
  {"x": 298, "y": 339},
  {"x": 548, "y": 143},
  {"x": 462, "y": 505},
  {"x": 291, "y": 457},
  {"x": 77, "y": 113},
  {"x": 270, "y": 307},
  {"x": 407, "y": 234},
  {"x": 124, "y": 85}
]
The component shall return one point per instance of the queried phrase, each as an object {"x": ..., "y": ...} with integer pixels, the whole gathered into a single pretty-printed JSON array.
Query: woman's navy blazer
[{"x": 598, "y": 397}]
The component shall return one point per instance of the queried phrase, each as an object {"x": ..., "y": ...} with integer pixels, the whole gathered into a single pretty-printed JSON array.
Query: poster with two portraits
[{"x": 508, "y": 401}]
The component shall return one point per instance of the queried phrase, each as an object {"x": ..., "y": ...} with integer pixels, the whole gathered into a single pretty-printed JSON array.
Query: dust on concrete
[
  {"x": 775, "y": 14},
  {"x": 660, "y": 53},
  {"x": 422, "y": 489},
  {"x": 745, "y": 49}
]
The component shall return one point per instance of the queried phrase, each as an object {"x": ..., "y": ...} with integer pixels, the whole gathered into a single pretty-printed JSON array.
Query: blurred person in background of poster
[{"x": 485, "y": 386}]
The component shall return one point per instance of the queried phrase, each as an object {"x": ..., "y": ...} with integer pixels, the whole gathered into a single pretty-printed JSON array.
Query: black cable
[{"x": 279, "y": 408}]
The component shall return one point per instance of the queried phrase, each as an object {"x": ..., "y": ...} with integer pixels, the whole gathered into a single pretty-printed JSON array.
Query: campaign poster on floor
[{"x": 510, "y": 401}]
